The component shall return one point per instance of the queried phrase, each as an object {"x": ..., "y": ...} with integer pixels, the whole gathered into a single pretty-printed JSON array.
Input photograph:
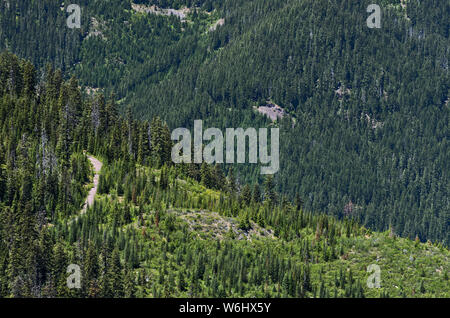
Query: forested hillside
[
  {"x": 367, "y": 125},
  {"x": 366, "y": 131},
  {"x": 380, "y": 146},
  {"x": 162, "y": 230}
]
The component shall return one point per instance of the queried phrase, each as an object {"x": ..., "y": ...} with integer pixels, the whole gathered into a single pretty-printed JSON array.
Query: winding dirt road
[{"x": 91, "y": 196}]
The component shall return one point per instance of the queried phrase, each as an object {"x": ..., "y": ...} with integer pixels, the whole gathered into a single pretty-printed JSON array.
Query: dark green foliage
[{"x": 376, "y": 155}]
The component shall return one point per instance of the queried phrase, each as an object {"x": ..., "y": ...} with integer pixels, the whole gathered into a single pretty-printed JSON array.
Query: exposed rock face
[
  {"x": 181, "y": 13},
  {"x": 272, "y": 111},
  {"x": 219, "y": 22},
  {"x": 95, "y": 29},
  {"x": 92, "y": 90},
  {"x": 372, "y": 122},
  {"x": 213, "y": 225},
  {"x": 341, "y": 91}
]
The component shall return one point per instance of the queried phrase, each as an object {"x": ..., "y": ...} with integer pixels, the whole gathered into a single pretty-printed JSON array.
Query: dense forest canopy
[
  {"x": 364, "y": 145},
  {"x": 157, "y": 229},
  {"x": 367, "y": 108}
]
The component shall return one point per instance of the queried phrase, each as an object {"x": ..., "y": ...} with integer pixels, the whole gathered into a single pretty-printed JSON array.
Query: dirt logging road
[{"x": 91, "y": 196}]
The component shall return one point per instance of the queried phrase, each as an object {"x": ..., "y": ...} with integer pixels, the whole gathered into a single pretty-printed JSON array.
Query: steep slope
[
  {"x": 370, "y": 127},
  {"x": 381, "y": 146},
  {"x": 153, "y": 229},
  {"x": 278, "y": 252}
]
